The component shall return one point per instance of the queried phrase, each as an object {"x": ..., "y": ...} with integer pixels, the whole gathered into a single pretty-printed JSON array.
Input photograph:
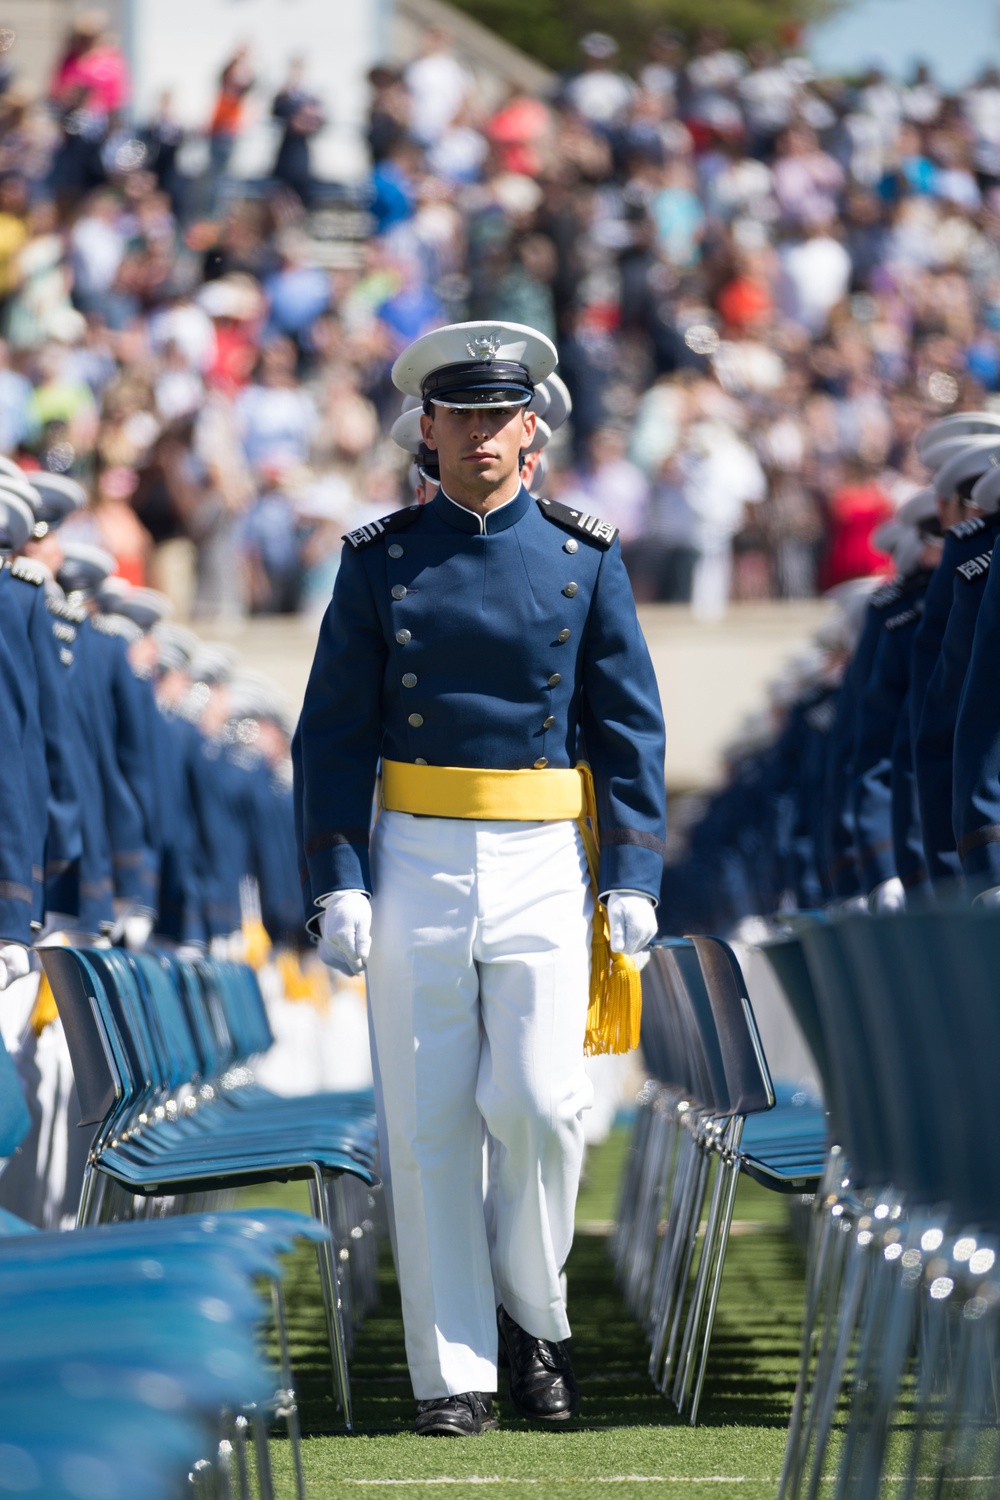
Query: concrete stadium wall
[{"x": 710, "y": 675}]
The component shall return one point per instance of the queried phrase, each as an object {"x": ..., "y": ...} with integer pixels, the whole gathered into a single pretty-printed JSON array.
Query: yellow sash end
[{"x": 44, "y": 1011}]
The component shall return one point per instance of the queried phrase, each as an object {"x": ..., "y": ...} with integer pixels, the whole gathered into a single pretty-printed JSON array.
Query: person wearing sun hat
[{"x": 472, "y": 644}]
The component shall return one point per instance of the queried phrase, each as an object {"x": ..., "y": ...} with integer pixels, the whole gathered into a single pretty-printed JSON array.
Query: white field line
[{"x": 487, "y": 1479}]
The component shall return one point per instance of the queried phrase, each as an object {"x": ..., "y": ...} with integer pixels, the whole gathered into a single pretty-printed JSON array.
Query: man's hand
[
  {"x": 15, "y": 962},
  {"x": 345, "y": 931},
  {"x": 631, "y": 921}
]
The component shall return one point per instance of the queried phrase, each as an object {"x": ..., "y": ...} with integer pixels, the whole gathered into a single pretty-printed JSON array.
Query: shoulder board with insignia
[
  {"x": 63, "y": 610},
  {"x": 363, "y": 536},
  {"x": 886, "y": 595},
  {"x": 116, "y": 625},
  {"x": 29, "y": 571},
  {"x": 896, "y": 622},
  {"x": 601, "y": 532},
  {"x": 975, "y": 568},
  {"x": 963, "y": 529}
]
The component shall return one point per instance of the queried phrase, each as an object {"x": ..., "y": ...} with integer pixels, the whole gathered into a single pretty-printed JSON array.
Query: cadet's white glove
[
  {"x": 631, "y": 921},
  {"x": 136, "y": 930},
  {"x": 15, "y": 962},
  {"x": 345, "y": 931},
  {"x": 887, "y": 897}
]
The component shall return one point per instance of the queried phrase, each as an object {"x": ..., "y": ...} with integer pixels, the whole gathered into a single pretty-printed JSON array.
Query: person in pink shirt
[
  {"x": 90, "y": 87},
  {"x": 93, "y": 74}
]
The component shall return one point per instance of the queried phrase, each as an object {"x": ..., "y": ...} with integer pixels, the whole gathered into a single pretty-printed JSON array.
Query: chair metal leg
[
  {"x": 713, "y": 1301},
  {"x": 287, "y": 1403},
  {"x": 262, "y": 1456},
  {"x": 828, "y": 1393},
  {"x": 326, "y": 1258},
  {"x": 240, "y": 1429},
  {"x": 823, "y": 1229},
  {"x": 687, "y": 1238},
  {"x": 697, "y": 1304}
]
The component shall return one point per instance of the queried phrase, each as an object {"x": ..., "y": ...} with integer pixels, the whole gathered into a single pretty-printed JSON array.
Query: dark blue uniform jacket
[{"x": 508, "y": 645}]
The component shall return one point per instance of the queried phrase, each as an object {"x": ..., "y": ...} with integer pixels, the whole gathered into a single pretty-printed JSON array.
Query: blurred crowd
[{"x": 762, "y": 284}]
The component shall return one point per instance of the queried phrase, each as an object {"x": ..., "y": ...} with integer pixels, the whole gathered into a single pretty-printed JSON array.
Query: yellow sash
[{"x": 544, "y": 796}]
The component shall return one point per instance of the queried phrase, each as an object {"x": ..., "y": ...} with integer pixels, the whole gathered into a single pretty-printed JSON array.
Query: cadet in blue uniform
[
  {"x": 839, "y": 842},
  {"x": 19, "y": 816},
  {"x": 483, "y": 633},
  {"x": 976, "y": 780},
  {"x": 933, "y": 743},
  {"x": 883, "y": 703}
]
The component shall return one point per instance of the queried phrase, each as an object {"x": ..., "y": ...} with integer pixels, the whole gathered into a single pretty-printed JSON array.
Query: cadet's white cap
[
  {"x": 986, "y": 491},
  {"x": 948, "y": 448},
  {"x": 920, "y": 508},
  {"x": 885, "y": 537},
  {"x": 17, "y": 521},
  {"x": 405, "y": 431},
  {"x": 966, "y": 466},
  {"x": 480, "y": 364},
  {"x": 558, "y": 401},
  {"x": 957, "y": 424}
]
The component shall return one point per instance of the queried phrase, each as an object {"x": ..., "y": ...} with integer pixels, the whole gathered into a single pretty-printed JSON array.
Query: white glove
[
  {"x": 345, "y": 931},
  {"x": 15, "y": 962},
  {"x": 631, "y": 921},
  {"x": 887, "y": 897},
  {"x": 136, "y": 930}
]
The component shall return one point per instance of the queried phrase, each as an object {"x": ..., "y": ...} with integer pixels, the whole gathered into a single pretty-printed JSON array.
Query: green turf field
[{"x": 628, "y": 1442}]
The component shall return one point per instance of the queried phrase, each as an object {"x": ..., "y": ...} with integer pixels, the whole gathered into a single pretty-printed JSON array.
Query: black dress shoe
[
  {"x": 542, "y": 1384},
  {"x": 456, "y": 1416}
]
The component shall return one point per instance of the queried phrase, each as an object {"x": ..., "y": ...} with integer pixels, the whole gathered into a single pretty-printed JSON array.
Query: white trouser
[{"x": 478, "y": 981}]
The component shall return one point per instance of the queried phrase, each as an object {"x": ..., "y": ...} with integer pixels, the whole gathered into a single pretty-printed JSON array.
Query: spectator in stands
[{"x": 235, "y": 82}]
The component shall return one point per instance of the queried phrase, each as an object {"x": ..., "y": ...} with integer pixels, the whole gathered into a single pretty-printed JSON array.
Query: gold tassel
[
  {"x": 256, "y": 943},
  {"x": 614, "y": 1015},
  {"x": 44, "y": 1011}
]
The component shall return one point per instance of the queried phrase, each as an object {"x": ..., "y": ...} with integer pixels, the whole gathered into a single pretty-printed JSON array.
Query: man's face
[
  {"x": 478, "y": 450},
  {"x": 48, "y": 549}
]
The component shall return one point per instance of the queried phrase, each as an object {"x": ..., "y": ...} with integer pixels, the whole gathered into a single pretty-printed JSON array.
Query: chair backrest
[
  {"x": 855, "y": 1102},
  {"x": 788, "y": 963},
  {"x": 663, "y": 1046},
  {"x": 159, "y": 984},
  {"x": 748, "y": 1080},
  {"x": 95, "y": 1049},
  {"x": 707, "y": 1071}
]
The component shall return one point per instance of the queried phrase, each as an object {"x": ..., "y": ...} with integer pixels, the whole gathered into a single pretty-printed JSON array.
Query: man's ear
[
  {"x": 530, "y": 421},
  {"x": 427, "y": 432}
]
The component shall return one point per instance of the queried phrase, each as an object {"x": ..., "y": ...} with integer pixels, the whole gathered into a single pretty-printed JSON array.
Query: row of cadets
[
  {"x": 882, "y": 794},
  {"x": 912, "y": 756}
]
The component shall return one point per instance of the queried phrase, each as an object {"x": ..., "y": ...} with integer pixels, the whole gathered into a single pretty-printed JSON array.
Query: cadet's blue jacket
[
  {"x": 882, "y": 705},
  {"x": 505, "y": 644},
  {"x": 13, "y": 627},
  {"x": 933, "y": 748},
  {"x": 838, "y": 852},
  {"x": 907, "y": 838},
  {"x": 976, "y": 800},
  {"x": 19, "y": 838}
]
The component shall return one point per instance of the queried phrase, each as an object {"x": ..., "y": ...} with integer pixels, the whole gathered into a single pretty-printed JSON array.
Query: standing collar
[{"x": 463, "y": 519}]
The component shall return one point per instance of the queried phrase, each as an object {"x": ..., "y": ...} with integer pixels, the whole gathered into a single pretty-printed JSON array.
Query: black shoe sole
[{"x": 456, "y": 1432}]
